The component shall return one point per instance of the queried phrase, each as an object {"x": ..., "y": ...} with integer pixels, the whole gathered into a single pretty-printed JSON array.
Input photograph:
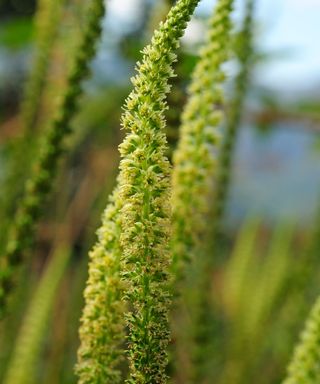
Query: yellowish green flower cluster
[
  {"x": 135, "y": 231},
  {"x": 41, "y": 180},
  {"x": 145, "y": 190},
  {"x": 194, "y": 159}
]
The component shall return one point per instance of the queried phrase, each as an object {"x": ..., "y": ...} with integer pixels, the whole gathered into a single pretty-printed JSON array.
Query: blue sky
[
  {"x": 296, "y": 26},
  {"x": 291, "y": 27}
]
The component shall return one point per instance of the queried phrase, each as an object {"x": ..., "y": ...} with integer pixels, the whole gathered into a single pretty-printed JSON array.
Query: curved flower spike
[
  {"x": 135, "y": 231},
  {"x": 145, "y": 191}
]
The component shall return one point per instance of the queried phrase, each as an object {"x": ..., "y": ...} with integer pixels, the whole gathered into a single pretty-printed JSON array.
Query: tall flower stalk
[
  {"x": 130, "y": 261},
  {"x": 145, "y": 215},
  {"x": 40, "y": 182},
  {"x": 244, "y": 53},
  {"x": 194, "y": 159}
]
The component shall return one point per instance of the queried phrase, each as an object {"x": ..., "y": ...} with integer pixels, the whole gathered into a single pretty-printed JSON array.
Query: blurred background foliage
[{"x": 265, "y": 276}]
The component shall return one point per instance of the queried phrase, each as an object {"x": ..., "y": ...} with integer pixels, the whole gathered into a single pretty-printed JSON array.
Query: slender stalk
[{"x": 41, "y": 180}]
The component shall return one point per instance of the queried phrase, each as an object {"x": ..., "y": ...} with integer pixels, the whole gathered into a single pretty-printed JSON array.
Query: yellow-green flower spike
[
  {"x": 194, "y": 159},
  {"x": 41, "y": 180},
  {"x": 145, "y": 191},
  {"x": 131, "y": 255}
]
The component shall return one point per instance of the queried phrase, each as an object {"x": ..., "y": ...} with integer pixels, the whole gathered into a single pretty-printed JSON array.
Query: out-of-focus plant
[
  {"x": 194, "y": 167},
  {"x": 41, "y": 180},
  {"x": 23, "y": 148},
  {"x": 204, "y": 320},
  {"x": 244, "y": 55},
  {"x": 239, "y": 266},
  {"x": 194, "y": 159},
  {"x": 35, "y": 327},
  {"x": 22, "y": 368},
  {"x": 253, "y": 285},
  {"x": 46, "y": 25}
]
